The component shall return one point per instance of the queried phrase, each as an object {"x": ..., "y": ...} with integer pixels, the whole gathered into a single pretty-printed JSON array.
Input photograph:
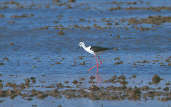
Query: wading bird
[{"x": 95, "y": 50}]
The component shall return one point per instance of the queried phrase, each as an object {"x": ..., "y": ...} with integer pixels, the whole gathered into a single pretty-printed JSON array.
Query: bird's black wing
[{"x": 98, "y": 49}]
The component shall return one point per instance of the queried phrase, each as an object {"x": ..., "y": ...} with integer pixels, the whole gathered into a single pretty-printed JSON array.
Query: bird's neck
[{"x": 84, "y": 46}]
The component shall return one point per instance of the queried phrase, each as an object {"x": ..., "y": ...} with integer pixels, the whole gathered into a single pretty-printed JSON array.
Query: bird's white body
[
  {"x": 88, "y": 48},
  {"x": 93, "y": 51}
]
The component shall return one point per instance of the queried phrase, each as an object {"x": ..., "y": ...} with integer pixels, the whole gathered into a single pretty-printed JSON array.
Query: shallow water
[{"x": 31, "y": 45}]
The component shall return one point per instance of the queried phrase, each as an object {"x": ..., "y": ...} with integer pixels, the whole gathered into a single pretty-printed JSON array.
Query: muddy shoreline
[{"x": 114, "y": 88}]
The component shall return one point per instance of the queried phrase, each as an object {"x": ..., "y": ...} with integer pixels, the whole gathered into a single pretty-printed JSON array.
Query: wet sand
[{"x": 80, "y": 88}]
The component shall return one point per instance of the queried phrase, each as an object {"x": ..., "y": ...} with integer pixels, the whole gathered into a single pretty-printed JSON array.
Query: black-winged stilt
[{"x": 95, "y": 50}]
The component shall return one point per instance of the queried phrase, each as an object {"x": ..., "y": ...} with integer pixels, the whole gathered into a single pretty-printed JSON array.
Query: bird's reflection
[{"x": 98, "y": 78}]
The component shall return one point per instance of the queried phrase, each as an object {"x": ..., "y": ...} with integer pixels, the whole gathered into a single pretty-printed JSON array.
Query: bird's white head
[{"x": 81, "y": 44}]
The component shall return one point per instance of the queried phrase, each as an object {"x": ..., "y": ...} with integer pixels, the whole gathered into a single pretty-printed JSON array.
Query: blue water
[{"x": 33, "y": 51}]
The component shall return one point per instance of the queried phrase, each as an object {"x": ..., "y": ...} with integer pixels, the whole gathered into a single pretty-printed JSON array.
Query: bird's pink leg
[
  {"x": 97, "y": 64},
  {"x": 92, "y": 67},
  {"x": 100, "y": 60}
]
